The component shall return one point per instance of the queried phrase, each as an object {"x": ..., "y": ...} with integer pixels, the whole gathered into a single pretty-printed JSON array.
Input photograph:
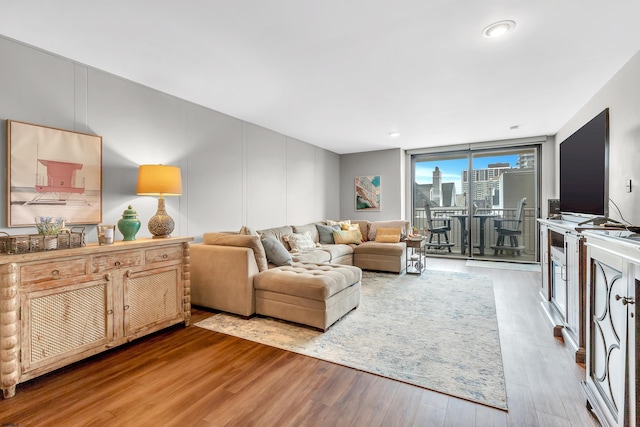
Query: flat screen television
[{"x": 584, "y": 169}]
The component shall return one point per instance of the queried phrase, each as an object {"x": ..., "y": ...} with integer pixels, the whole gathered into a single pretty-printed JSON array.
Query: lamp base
[{"x": 161, "y": 224}]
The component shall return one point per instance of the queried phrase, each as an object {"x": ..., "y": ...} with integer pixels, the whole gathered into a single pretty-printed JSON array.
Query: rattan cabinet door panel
[
  {"x": 152, "y": 300},
  {"x": 60, "y": 325}
]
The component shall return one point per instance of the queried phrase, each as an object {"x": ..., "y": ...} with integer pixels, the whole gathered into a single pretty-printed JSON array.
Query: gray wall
[
  {"x": 622, "y": 95},
  {"x": 233, "y": 172},
  {"x": 389, "y": 164}
]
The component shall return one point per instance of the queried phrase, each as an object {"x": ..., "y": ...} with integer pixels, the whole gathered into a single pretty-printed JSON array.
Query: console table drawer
[
  {"x": 44, "y": 271},
  {"x": 116, "y": 260},
  {"x": 166, "y": 253}
]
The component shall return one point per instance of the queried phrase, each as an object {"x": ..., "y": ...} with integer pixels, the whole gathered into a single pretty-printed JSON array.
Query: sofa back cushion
[
  {"x": 311, "y": 228},
  {"x": 240, "y": 240},
  {"x": 402, "y": 224},
  {"x": 279, "y": 233}
]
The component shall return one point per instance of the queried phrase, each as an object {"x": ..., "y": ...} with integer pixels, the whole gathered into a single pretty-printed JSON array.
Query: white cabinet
[
  {"x": 564, "y": 282},
  {"x": 611, "y": 383}
]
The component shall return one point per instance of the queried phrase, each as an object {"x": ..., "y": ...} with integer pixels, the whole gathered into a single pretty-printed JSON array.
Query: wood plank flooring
[{"x": 194, "y": 377}]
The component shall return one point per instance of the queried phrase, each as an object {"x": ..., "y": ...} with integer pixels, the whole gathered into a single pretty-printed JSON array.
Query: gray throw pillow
[
  {"x": 276, "y": 252},
  {"x": 325, "y": 232}
]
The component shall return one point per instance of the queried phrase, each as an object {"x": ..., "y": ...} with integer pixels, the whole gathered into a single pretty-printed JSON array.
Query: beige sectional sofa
[{"x": 315, "y": 286}]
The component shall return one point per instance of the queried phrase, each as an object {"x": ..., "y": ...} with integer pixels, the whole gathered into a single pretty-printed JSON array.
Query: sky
[{"x": 452, "y": 169}]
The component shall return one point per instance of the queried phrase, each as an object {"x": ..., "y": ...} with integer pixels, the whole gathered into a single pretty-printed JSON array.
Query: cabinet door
[
  {"x": 544, "y": 261},
  {"x": 633, "y": 350},
  {"x": 153, "y": 299},
  {"x": 573, "y": 283},
  {"x": 61, "y": 323},
  {"x": 606, "y": 370}
]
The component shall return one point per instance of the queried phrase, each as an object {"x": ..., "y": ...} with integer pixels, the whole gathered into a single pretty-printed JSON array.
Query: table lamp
[{"x": 159, "y": 180}]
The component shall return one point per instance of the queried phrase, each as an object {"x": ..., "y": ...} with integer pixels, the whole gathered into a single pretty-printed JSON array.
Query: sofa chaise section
[{"x": 309, "y": 294}]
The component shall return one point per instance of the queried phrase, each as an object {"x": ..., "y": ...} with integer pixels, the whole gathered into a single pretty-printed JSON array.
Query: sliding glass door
[{"x": 478, "y": 203}]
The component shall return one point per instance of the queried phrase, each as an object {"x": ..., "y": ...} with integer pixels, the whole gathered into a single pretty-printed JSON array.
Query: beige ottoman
[{"x": 316, "y": 295}]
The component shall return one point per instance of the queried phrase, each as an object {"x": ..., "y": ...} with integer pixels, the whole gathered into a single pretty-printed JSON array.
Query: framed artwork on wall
[
  {"x": 52, "y": 173},
  {"x": 368, "y": 193}
]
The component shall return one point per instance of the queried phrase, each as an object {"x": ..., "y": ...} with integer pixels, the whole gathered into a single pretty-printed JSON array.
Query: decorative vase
[{"x": 129, "y": 224}]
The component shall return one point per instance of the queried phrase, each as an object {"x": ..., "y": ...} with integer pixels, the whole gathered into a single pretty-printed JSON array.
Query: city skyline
[{"x": 451, "y": 169}]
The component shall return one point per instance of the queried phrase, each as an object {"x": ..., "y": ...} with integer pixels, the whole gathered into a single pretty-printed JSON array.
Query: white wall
[
  {"x": 389, "y": 164},
  {"x": 233, "y": 172},
  {"x": 621, "y": 95}
]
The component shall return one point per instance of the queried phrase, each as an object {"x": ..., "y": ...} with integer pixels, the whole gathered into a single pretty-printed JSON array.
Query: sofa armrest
[{"x": 222, "y": 278}]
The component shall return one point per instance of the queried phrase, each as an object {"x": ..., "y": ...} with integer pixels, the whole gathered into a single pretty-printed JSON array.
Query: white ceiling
[{"x": 342, "y": 74}]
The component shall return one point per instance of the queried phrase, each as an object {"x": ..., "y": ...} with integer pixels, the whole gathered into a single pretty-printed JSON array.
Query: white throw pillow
[{"x": 301, "y": 242}]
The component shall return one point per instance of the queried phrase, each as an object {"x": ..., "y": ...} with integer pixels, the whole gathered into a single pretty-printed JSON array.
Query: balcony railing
[{"x": 527, "y": 238}]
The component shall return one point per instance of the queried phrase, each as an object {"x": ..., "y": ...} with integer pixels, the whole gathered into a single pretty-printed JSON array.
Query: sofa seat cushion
[
  {"x": 338, "y": 250},
  {"x": 312, "y": 256},
  {"x": 311, "y": 281},
  {"x": 377, "y": 248}
]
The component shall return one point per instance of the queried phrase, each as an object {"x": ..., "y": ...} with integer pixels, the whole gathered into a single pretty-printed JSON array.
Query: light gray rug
[{"x": 438, "y": 331}]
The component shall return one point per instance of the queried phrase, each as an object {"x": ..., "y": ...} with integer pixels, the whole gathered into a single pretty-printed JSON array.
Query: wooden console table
[{"x": 61, "y": 306}]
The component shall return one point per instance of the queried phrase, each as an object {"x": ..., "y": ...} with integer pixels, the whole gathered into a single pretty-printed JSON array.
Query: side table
[{"x": 416, "y": 251}]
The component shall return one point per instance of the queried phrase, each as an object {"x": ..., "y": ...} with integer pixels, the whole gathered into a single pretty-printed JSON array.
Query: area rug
[
  {"x": 500, "y": 265},
  {"x": 438, "y": 331}
]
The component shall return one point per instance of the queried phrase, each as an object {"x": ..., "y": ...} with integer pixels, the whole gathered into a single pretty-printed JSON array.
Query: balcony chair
[
  {"x": 439, "y": 230},
  {"x": 512, "y": 229}
]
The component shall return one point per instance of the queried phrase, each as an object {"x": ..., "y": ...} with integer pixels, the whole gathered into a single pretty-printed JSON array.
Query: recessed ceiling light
[
  {"x": 394, "y": 134},
  {"x": 498, "y": 29}
]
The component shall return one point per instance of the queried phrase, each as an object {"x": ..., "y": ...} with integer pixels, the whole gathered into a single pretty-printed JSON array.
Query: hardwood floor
[{"x": 194, "y": 377}]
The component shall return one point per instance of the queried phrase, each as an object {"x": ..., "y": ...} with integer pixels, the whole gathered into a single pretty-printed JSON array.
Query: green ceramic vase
[{"x": 129, "y": 224}]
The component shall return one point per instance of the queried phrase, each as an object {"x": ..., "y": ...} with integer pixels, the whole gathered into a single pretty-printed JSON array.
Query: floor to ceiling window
[{"x": 478, "y": 203}]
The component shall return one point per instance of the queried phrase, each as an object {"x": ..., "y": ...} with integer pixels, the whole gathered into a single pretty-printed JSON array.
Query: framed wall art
[
  {"x": 368, "y": 193},
  {"x": 52, "y": 173}
]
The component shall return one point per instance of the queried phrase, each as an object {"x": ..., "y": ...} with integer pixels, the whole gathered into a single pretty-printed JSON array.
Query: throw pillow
[
  {"x": 388, "y": 235},
  {"x": 347, "y": 236},
  {"x": 300, "y": 242},
  {"x": 311, "y": 228},
  {"x": 248, "y": 231},
  {"x": 277, "y": 254},
  {"x": 403, "y": 225},
  {"x": 353, "y": 227},
  {"x": 340, "y": 223},
  {"x": 326, "y": 233}
]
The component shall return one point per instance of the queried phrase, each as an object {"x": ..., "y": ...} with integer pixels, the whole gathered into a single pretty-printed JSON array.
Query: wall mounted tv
[{"x": 584, "y": 169}]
